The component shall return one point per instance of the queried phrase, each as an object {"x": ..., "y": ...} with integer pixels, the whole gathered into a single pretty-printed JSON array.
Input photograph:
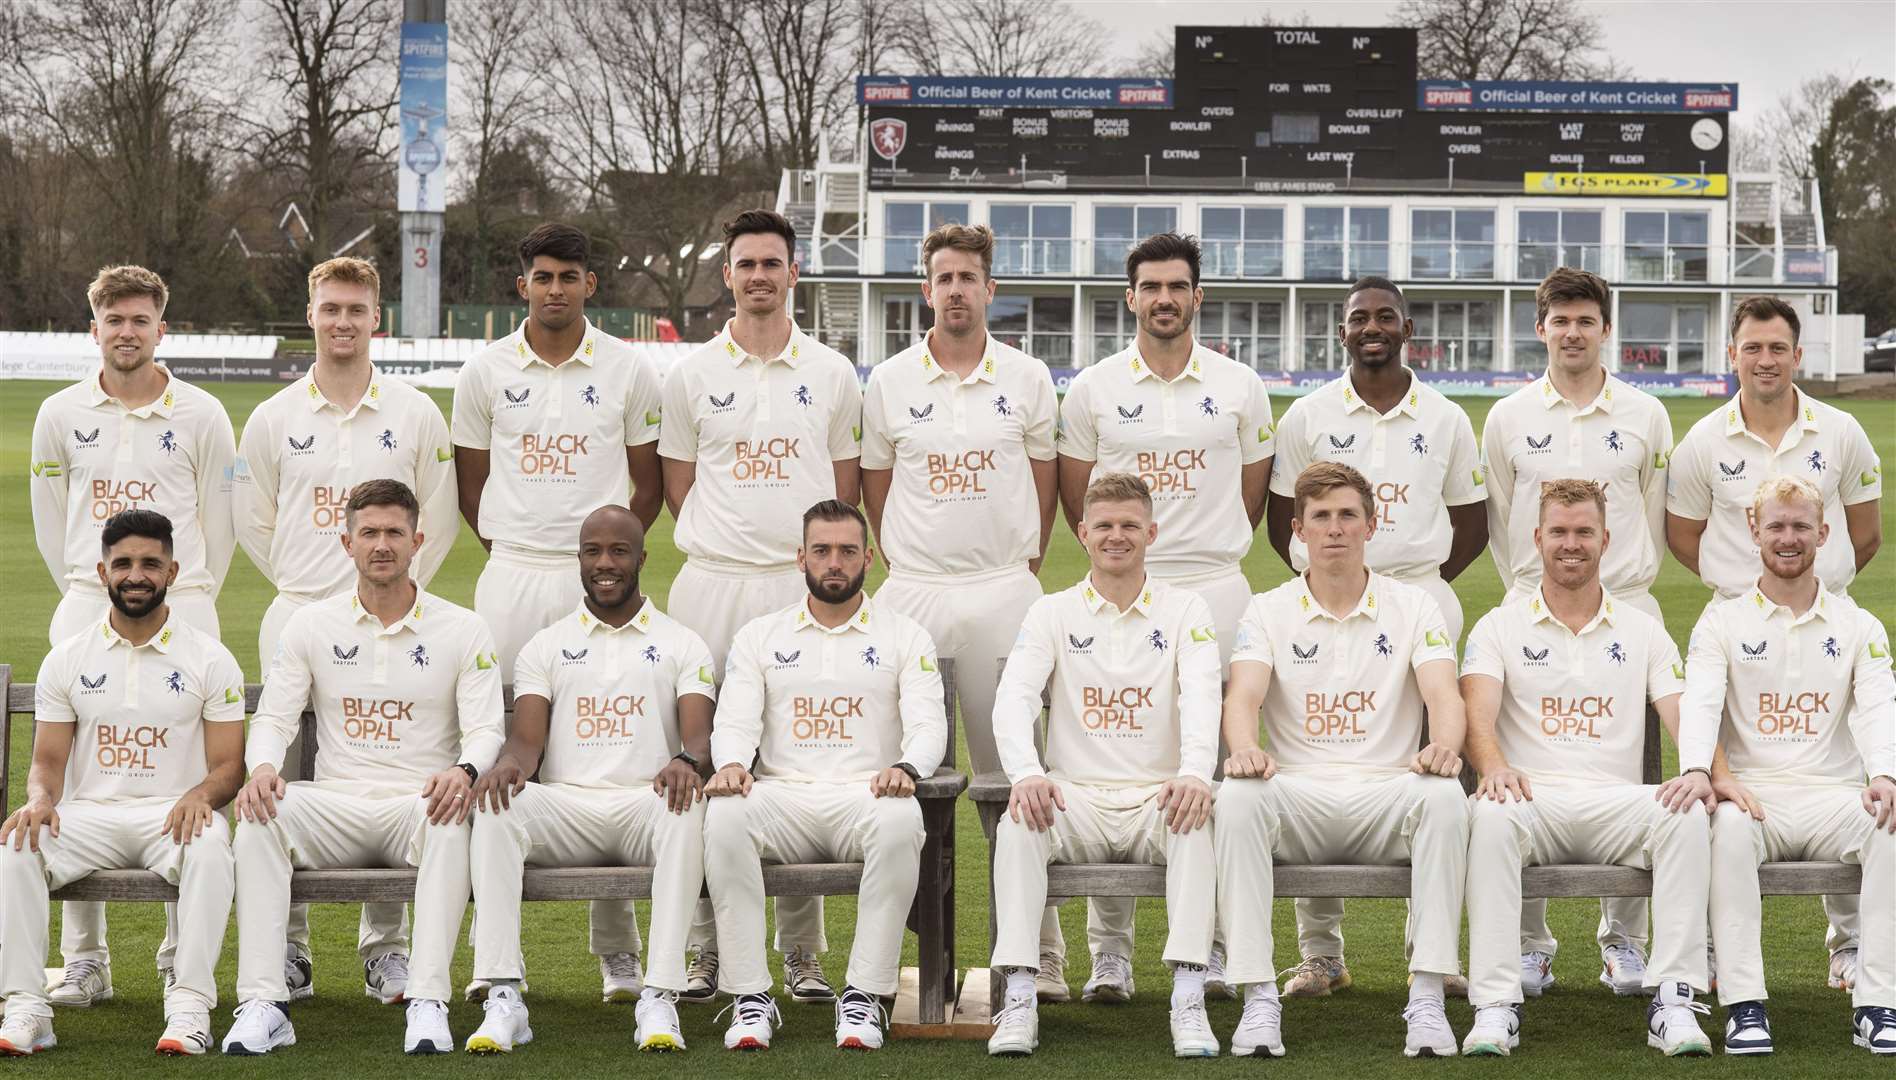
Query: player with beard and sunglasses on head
[
  {"x": 154, "y": 709},
  {"x": 132, "y": 436},
  {"x": 830, "y": 714}
]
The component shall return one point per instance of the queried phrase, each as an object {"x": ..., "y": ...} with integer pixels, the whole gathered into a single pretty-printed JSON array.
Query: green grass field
[{"x": 1579, "y": 1030}]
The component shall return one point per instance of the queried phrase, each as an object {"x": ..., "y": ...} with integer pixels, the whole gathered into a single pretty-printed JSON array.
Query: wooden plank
[
  {"x": 905, "y": 1020},
  {"x": 974, "y": 1016}
]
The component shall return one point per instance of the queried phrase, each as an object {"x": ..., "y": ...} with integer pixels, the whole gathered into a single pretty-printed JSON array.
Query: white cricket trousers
[
  {"x": 382, "y": 928},
  {"x": 1816, "y": 822},
  {"x": 1622, "y": 825},
  {"x": 1324, "y": 817},
  {"x": 117, "y": 836},
  {"x": 336, "y": 826},
  {"x": 715, "y": 599},
  {"x": 521, "y": 592},
  {"x": 566, "y": 825},
  {"x": 975, "y": 619},
  {"x": 1103, "y": 825},
  {"x": 785, "y": 821},
  {"x": 82, "y": 922}
]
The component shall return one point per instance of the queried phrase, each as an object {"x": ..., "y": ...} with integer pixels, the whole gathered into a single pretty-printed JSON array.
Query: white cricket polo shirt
[
  {"x": 301, "y": 454},
  {"x": 614, "y": 694},
  {"x": 961, "y": 494},
  {"x": 1136, "y": 697},
  {"x": 1343, "y": 695},
  {"x": 1620, "y": 439},
  {"x": 93, "y": 457},
  {"x": 1787, "y": 687},
  {"x": 1719, "y": 464},
  {"x": 1573, "y": 706},
  {"x": 140, "y": 710},
  {"x": 1189, "y": 439},
  {"x": 765, "y": 434},
  {"x": 394, "y": 705},
  {"x": 1420, "y": 459},
  {"x": 830, "y": 705},
  {"x": 555, "y": 436}
]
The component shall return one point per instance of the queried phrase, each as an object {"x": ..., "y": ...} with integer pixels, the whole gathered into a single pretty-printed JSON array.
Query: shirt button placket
[
  {"x": 381, "y": 658},
  {"x": 345, "y": 442},
  {"x": 1378, "y": 445},
  {"x": 760, "y": 382},
  {"x": 555, "y": 393},
  {"x": 123, "y": 453},
  {"x": 132, "y": 678},
  {"x": 1167, "y": 409}
]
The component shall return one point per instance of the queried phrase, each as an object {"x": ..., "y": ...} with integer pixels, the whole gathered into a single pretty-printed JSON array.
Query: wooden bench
[
  {"x": 932, "y": 917},
  {"x": 990, "y": 791}
]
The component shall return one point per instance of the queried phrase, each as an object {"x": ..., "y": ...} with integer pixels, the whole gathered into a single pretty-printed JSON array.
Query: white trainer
[
  {"x": 503, "y": 1023},
  {"x": 428, "y": 1026},
  {"x": 1429, "y": 1034},
  {"x": 86, "y": 982},
  {"x": 1623, "y": 970},
  {"x": 1671, "y": 1025},
  {"x": 658, "y": 1029},
  {"x": 1050, "y": 982},
  {"x": 21, "y": 1035},
  {"x": 1537, "y": 973},
  {"x": 1497, "y": 1032},
  {"x": 1192, "y": 1036},
  {"x": 621, "y": 978},
  {"x": 187, "y": 1034},
  {"x": 1016, "y": 1027},
  {"x": 803, "y": 977},
  {"x": 1260, "y": 1028},
  {"x": 754, "y": 1018},
  {"x": 701, "y": 978},
  {"x": 1215, "y": 984},
  {"x": 859, "y": 1020},
  {"x": 260, "y": 1027},
  {"x": 1111, "y": 979},
  {"x": 1873, "y": 1027},
  {"x": 385, "y": 977}
]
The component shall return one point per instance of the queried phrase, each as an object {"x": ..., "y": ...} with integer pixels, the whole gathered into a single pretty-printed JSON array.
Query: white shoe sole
[
  {"x": 1879, "y": 1051},
  {"x": 240, "y": 1050},
  {"x": 84, "y": 1003},
  {"x": 1276, "y": 1050},
  {"x": 1747, "y": 1051},
  {"x": 1703, "y": 1049},
  {"x": 399, "y": 997},
  {"x": 1505, "y": 1048},
  {"x": 1194, "y": 1051},
  {"x": 1108, "y": 994},
  {"x": 1013, "y": 1049},
  {"x": 485, "y": 1044},
  {"x": 620, "y": 995},
  {"x": 1621, "y": 991}
]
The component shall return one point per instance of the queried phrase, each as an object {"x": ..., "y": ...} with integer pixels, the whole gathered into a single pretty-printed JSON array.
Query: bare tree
[
  {"x": 1791, "y": 127},
  {"x": 327, "y": 117},
  {"x": 999, "y": 37},
  {"x": 1508, "y": 39},
  {"x": 796, "y": 56},
  {"x": 498, "y": 103}
]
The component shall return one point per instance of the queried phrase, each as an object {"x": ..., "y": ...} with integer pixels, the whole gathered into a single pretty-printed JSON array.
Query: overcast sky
[{"x": 1768, "y": 47}]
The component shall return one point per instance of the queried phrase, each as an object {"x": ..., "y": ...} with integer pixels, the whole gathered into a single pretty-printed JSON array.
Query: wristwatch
[
  {"x": 914, "y": 773},
  {"x": 688, "y": 758},
  {"x": 473, "y": 773},
  {"x": 1697, "y": 769}
]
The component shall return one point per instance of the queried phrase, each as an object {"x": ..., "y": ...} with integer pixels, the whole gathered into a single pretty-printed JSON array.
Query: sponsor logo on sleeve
[
  {"x": 482, "y": 661},
  {"x": 47, "y": 469},
  {"x": 442, "y": 453},
  {"x": 1434, "y": 640},
  {"x": 704, "y": 676},
  {"x": 1204, "y": 633},
  {"x": 232, "y": 695}
]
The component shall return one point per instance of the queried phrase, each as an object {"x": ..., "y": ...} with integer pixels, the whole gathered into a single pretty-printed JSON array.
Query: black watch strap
[
  {"x": 473, "y": 773},
  {"x": 688, "y": 758},
  {"x": 914, "y": 773}
]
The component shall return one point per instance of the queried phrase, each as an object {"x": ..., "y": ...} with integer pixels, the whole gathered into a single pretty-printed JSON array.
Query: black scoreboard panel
[{"x": 1270, "y": 109}]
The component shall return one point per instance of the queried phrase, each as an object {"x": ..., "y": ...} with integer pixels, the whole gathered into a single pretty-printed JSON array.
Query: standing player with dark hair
[
  {"x": 551, "y": 422},
  {"x": 1196, "y": 426},
  {"x": 154, "y": 708},
  {"x": 764, "y": 421},
  {"x": 131, "y": 437}
]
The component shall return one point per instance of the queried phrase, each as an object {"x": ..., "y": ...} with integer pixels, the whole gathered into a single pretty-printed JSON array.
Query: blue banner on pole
[
  {"x": 422, "y": 184},
  {"x": 1487, "y": 96},
  {"x": 956, "y": 91}
]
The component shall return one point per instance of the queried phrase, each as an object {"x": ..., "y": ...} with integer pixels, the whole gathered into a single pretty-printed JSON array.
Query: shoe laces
[
  {"x": 621, "y": 965},
  {"x": 78, "y": 971},
  {"x": 1426, "y": 1010},
  {"x": 858, "y": 1009},
  {"x": 1189, "y": 1014},
  {"x": 1747, "y": 1014},
  {"x": 1052, "y": 962},
  {"x": 1016, "y": 1009},
  {"x": 437, "y": 1010},
  {"x": 752, "y": 1009},
  {"x": 1318, "y": 966},
  {"x": 704, "y": 965},
  {"x": 1680, "y": 1012},
  {"x": 1501, "y": 1016},
  {"x": 1262, "y": 1009},
  {"x": 257, "y": 1007},
  {"x": 502, "y": 1003},
  {"x": 1625, "y": 956},
  {"x": 1111, "y": 968},
  {"x": 1215, "y": 964},
  {"x": 802, "y": 966},
  {"x": 390, "y": 966},
  {"x": 1879, "y": 1016}
]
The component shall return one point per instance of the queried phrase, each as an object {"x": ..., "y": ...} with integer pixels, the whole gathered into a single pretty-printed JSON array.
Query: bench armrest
[
  {"x": 947, "y": 783},
  {"x": 990, "y": 787}
]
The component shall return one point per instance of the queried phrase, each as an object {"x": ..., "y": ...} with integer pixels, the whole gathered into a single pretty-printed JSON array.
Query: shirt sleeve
[
  {"x": 214, "y": 482},
  {"x": 696, "y": 673},
  {"x": 1652, "y": 478},
  {"x": 1432, "y": 642},
  {"x": 740, "y": 720},
  {"x": 1688, "y": 489},
  {"x": 473, "y": 408},
  {"x": 223, "y": 688},
  {"x": 1078, "y": 437},
  {"x": 1200, "y": 692},
  {"x": 1293, "y": 451},
  {"x": 52, "y": 700},
  {"x": 477, "y": 699},
  {"x": 1702, "y": 710},
  {"x": 1665, "y": 672},
  {"x": 1499, "y": 474},
  {"x": 1862, "y": 479},
  {"x": 254, "y": 491},
  {"x": 878, "y": 448},
  {"x": 1466, "y": 482},
  {"x": 1254, "y": 635},
  {"x": 1017, "y": 700},
  {"x": 51, "y": 497},
  {"x": 1043, "y": 418},
  {"x": 435, "y": 489},
  {"x": 533, "y": 670},
  {"x": 678, "y": 435},
  {"x": 924, "y": 714},
  {"x": 285, "y": 696},
  {"x": 845, "y": 427},
  {"x": 1257, "y": 433},
  {"x": 1485, "y": 652},
  {"x": 1873, "y": 701},
  {"x": 644, "y": 403}
]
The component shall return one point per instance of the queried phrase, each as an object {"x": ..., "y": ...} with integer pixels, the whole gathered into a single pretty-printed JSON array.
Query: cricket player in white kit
[
  {"x": 765, "y": 421},
  {"x": 1132, "y": 740},
  {"x": 1196, "y": 426},
  {"x": 1418, "y": 450},
  {"x": 1556, "y": 685},
  {"x": 551, "y": 421},
  {"x": 836, "y": 704},
  {"x": 1793, "y": 683},
  {"x": 1580, "y": 421},
  {"x": 406, "y": 690},
  {"x": 131, "y": 437},
  {"x": 612, "y": 709},
  {"x": 301, "y": 452},
  {"x": 1771, "y": 429},
  {"x": 154, "y": 708},
  {"x": 1344, "y": 662}
]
